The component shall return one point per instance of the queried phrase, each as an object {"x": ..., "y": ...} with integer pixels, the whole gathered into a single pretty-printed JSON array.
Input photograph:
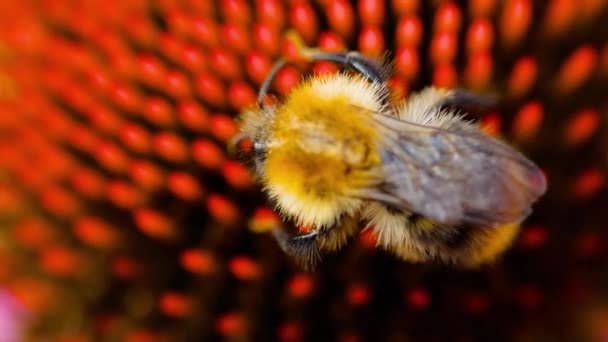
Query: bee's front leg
[{"x": 308, "y": 248}]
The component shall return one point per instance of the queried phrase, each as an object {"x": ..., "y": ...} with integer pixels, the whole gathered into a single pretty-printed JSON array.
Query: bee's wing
[{"x": 456, "y": 175}]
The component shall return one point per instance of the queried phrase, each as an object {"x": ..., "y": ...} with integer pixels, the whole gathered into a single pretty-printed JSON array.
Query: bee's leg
[
  {"x": 304, "y": 248},
  {"x": 375, "y": 71},
  {"x": 268, "y": 81},
  {"x": 307, "y": 248},
  {"x": 460, "y": 99}
]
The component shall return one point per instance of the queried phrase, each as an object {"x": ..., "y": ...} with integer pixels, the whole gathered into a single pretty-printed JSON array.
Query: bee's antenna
[
  {"x": 268, "y": 81},
  {"x": 373, "y": 70},
  {"x": 352, "y": 59},
  {"x": 369, "y": 68},
  {"x": 355, "y": 61}
]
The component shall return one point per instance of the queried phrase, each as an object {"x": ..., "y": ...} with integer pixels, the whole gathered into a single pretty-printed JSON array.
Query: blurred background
[{"x": 123, "y": 218}]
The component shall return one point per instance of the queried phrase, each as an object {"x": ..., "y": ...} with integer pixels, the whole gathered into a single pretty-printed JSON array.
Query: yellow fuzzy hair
[{"x": 321, "y": 149}]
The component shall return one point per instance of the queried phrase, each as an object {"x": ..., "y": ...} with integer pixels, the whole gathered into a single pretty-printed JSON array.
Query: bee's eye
[
  {"x": 259, "y": 148},
  {"x": 355, "y": 152},
  {"x": 259, "y": 156}
]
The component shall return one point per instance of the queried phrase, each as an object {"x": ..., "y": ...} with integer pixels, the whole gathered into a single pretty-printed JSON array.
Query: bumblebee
[{"x": 337, "y": 155}]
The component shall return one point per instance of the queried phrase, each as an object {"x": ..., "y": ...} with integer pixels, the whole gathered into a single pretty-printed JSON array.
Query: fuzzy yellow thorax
[{"x": 322, "y": 149}]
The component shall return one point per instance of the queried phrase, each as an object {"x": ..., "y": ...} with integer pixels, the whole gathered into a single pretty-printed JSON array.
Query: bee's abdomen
[
  {"x": 416, "y": 238},
  {"x": 464, "y": 244}
]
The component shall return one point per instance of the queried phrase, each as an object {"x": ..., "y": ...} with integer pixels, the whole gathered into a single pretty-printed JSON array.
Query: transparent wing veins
[{"x": 454, "y": 175}]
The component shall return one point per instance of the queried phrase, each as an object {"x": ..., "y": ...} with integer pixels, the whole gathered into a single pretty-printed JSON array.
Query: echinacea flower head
[{"x": 124, "y": 218}]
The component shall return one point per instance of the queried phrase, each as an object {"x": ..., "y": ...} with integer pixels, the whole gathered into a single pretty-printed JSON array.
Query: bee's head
[{"x": 255, "y": 126}]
